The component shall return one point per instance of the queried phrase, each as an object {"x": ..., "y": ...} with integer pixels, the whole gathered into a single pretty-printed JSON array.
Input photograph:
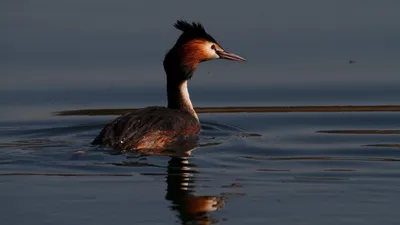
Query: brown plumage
[
  {"x": 160, "y": 127},
  {"x": 152, "y": 127}
]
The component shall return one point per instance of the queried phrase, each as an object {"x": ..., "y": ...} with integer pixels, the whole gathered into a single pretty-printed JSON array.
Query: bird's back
[{"x": 149, "y": 128}]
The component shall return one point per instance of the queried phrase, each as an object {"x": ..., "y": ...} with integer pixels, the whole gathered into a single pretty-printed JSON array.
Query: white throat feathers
[{"x": 178, "y": 98}]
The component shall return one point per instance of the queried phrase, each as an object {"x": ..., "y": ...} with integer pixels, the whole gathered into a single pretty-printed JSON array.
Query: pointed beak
[{"x": 230, "y": 56}]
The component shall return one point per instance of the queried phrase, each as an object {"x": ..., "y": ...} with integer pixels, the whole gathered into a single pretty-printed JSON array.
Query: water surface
[{"x": 319, "y": 165}]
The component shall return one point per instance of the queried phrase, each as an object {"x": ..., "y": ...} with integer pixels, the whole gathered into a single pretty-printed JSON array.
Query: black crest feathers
[
  {"x": 192, "y": 31},
  {"x": 184, "y": 26}
]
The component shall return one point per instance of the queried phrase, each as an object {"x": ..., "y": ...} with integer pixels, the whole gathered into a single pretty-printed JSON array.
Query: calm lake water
[{"x": 282, "y": 165}]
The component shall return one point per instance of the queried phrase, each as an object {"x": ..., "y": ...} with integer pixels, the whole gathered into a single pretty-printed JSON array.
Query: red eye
[{"x": 213, "y": 47}]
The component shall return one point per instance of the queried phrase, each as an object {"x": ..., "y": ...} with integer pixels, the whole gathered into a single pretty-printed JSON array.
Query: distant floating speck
[{"x": 352, "y": 61}]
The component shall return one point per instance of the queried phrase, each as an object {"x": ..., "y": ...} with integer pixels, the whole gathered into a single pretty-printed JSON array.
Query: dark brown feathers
[
  {"x": 191, "y": 31},
  {"x": 149, "y": 128}
]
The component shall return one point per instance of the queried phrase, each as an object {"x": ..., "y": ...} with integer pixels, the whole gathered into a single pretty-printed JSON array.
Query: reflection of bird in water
[
  {"x": 180, "y": 187},
  {"x": 191, "y": 208},
  {"x": 158, "y": 127}
]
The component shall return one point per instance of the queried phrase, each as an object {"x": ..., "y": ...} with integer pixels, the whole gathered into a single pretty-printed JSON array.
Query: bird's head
[{"x": 193, "y": 46}]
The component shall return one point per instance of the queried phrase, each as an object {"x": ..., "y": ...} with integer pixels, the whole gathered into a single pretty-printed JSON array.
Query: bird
[{"x": 159, "y": 127}]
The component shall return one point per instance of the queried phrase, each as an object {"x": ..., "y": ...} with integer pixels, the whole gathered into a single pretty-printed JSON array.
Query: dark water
[
  {"x": 266, "y": 167},
  {"x": 332, "y": 165}
]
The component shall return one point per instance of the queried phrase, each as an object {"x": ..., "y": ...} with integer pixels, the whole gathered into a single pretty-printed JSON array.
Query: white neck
[{"x": 178, "y": 98}]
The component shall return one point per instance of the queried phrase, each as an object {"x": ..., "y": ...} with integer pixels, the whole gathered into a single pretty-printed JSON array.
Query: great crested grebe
[{"x": 159, "y": 127}]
